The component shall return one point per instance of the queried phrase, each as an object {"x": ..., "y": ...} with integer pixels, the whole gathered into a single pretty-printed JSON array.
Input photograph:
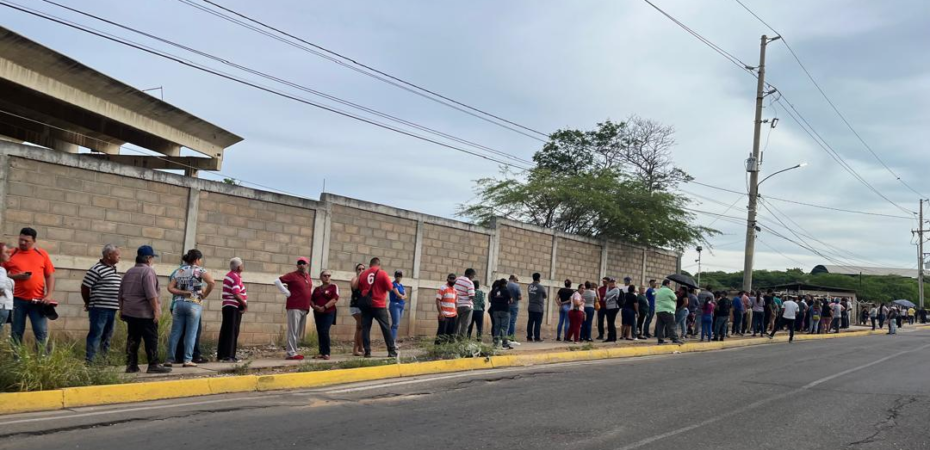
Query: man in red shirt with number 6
[{"x": 378, "y": 283}]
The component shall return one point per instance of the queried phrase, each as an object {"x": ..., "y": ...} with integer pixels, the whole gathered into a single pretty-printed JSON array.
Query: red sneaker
[{"x": 295, "y": 357}]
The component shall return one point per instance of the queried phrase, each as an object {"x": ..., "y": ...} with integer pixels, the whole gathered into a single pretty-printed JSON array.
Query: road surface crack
[{"x": 885, "y": 425}]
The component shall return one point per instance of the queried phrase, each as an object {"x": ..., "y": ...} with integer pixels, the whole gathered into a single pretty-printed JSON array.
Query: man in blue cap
[{"x": 140, "y": 307}]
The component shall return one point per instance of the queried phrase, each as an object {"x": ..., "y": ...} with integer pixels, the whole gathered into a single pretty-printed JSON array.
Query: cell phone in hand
[{"x": 28, "y": 273}]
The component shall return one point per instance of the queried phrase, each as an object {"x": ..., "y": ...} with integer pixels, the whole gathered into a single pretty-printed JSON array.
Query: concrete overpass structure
[{"x": 54, "y": 101}]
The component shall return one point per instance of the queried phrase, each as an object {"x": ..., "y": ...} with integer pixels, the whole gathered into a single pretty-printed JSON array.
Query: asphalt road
[{"x": 859, "y": 393}]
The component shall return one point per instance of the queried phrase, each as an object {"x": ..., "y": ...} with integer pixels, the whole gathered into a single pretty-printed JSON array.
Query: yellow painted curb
[
  {"x": 227, "y": 385},
  {"x": 20, "y": 402},
  {"x": 134, "y": 392},
  {"x": 326, "y": 377}
]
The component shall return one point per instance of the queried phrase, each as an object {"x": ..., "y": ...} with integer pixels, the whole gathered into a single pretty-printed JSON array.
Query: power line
[
  {"x": 364, "y": 69},
  {"x": 830, "y": 102},
  {"x": 826, "y": 147},
  {"x": 220, "y": 74},
  {"x": 295, "y": 85},
  {"x": 803, "y": 203}
]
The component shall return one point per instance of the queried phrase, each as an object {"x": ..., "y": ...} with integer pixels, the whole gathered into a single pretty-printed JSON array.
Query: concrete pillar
[
  {"x": 603, "y": 261},
  {"x": 63, "y": 146},
  {"x": 319, "y": 253},
  {"x": 493, "y": 253},
  {"x": 415, "y": 292},
  {"x": 552, "y": 289},
  {"x": 642, "y": 281},
  {"x": 4, "y": 183},
  {"x": 190, "y": 229}
]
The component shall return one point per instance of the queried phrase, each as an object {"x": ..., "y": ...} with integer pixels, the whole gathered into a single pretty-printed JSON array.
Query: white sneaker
[
  {"x": 635, "y": 339},
  {"x": 514, "y": 343}
]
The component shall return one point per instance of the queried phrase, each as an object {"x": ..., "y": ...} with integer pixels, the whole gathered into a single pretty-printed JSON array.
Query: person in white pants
[{"x": 298, "y": 287}]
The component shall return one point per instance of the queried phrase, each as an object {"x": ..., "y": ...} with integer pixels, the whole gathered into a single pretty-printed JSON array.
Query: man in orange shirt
[
  {"x": 33, "y": 272},
  {"x": 445, "y": 304},
  {"x": 376, "y": 283}
]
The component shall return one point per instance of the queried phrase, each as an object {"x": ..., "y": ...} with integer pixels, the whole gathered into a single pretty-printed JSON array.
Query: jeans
[
  {"x": 720, "y": 327},
  {"x": 758, "y": 322},
  {"x": 397, "y": 313},
  {"x": 681, "y": 317},
  {"x": 665, "y": 326},
  {"x": 514, "y": 312},
  {"x": 100, "y": 332},
  {"x": 477, "y": 322},
  {"x": 587, "y": 324},
  {"x": 139, "y": 331},
  {"x": 296, "y": 324},
  {"x": 499, "y": 330},
  {"x": 737, "y": 322},
  {"x": 179, "y": 354},
  {"x": 534, "y": 326},
  {"x": 892, "y": 327},
  {"x": 381, "y": 316},
  {"x": 4, "y": 315},
  {"x": 707, "y": 325},
  {"x": 186, "y": 317},
  {"x": 446, "y": 330},
  {"x": 563, "y": 319},
  {"x": 229, "y": 333},
  {"x": 462, "y": 319},
  {"x": 323, "y": 322},
  {"x": 874, "y": 320},
  {"x": 881, "y": 321},
  {"x": 612, "y": 325},
  {"x": 640, "y": 324},
  {"x": 648, "y": 323},
  {"x": 21, "y": 310},
  {"x": 601, "y": 316},
  {"x": 815, "y": 325},
  {"x": 788, "y": 323}
]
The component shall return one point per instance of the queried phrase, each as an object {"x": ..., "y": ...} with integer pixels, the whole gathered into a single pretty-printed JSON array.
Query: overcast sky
[{"x": 556, "y": 64}]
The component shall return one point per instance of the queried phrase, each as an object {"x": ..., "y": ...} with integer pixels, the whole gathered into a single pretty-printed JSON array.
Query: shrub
[
  {"x": 23, "y": 369},
  {"x": 459, "y": 349}
]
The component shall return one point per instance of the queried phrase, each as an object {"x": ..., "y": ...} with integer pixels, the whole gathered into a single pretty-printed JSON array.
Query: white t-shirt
[
  {"x": 791, "y": 309},
  {"x": 6, "y": 291}
]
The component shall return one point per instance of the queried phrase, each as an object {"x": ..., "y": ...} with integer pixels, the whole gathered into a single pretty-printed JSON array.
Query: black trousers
[
  {"x": 446, "y": 330},
  {"x": 179, "y": 352},
  {"x": 477, "y": 323},
  {"x": 534, "y": 325},
  {"x": 612, "y": 324},
  {"x": 788, "y": 323},
  {"x": 666, "y": 327},
  {"x": 381, "y": 315},
  {"x": 601, "y": 316},
  {"x": 229, "y": 333},
  {"x": 139, "y": 331},
  {"x": 323, "y": 323}
]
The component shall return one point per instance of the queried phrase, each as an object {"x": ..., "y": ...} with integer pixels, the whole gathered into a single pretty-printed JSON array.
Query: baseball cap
[
  {"x": 303, "y": 259},
  {"x": 146, "y": 250}
]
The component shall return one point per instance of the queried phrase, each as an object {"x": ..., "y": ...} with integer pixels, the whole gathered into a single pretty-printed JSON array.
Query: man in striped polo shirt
[
  {"x": 445, "y": 304},
  {"x": 100, "y": 291},
  {"x": 465, "y": 295},
  {"x": 235, "y": 302}
]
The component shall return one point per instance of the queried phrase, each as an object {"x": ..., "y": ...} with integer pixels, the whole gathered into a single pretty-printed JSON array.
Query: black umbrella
[
  {"x": 682, "y": 279},
  {"x": 904, "y": 303}
]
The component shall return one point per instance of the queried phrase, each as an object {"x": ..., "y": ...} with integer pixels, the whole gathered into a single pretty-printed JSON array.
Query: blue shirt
[
  {"x": 738, "y": 304},
  {"x": 651, "y": 296},
  {"x": 400, "y": 288}
]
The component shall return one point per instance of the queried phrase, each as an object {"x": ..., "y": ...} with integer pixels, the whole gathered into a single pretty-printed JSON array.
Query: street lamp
[
  {"x": 752, "y": 166},
  {"x": 699, "y": 249}
]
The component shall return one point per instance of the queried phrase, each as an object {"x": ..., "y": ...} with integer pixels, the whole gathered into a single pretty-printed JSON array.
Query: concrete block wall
[{"x": 78, "y": 204}]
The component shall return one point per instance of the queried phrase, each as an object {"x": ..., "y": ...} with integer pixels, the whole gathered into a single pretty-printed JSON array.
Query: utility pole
[
  {"x": 752, "y": 166},
  {"x": 920, "y": 255}
]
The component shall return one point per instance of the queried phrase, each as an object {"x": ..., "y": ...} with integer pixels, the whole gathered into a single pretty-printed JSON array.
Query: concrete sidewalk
[{"x": 409, "y": 349}]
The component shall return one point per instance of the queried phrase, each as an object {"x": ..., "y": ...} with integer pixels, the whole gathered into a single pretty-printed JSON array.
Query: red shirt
[
  {"x": 321, "y": 296},
  {"x": 380, "y": 285},
  {"x": 301, "y": 287},
  {"x": 602, "y": 293},
  {"x": 35, "y": 261}
]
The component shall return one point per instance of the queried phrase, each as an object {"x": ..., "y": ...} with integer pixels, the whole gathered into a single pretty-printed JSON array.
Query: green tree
[{"x": 583, "y": 184}]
